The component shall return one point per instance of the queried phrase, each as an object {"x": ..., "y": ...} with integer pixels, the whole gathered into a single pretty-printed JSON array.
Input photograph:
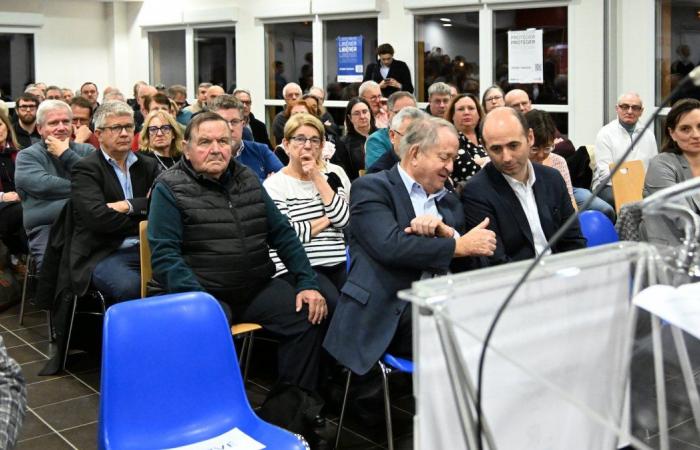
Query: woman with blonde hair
[{"x": 161, "y": 139}]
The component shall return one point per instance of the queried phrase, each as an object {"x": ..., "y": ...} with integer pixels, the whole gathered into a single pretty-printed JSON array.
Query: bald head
[
  {"x": 518, "y": 99},
  {"x": 213, "y": 92},
  {"x": 145, "y": 90},
  {"x": 508, "y": 139}
]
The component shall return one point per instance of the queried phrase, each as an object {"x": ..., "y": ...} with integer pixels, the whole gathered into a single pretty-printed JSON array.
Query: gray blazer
[{"x": 665, "y": 170}]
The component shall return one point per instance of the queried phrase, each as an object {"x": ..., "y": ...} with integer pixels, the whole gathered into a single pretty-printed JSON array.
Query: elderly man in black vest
[{"x": 210, "y": 228}]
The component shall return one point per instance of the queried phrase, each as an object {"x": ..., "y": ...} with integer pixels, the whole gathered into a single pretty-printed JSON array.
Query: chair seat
[
  {"x": 400, "y": 364},
  {"x": 241, "y": 328}
]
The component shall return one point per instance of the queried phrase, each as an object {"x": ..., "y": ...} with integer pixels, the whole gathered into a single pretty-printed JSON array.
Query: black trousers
[
  {"x": 11, "y": 229},
  {"x": 402, "y": 343},
  {"x": 300, "y": 351}
]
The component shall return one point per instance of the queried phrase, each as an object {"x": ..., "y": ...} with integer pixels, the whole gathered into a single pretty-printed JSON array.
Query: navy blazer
[
  {"x": 384, "y": 260},
  {"x": 488, "y": 194}
]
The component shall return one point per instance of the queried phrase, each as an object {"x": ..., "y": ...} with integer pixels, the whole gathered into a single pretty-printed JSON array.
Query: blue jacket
[
  {"x": 259, "y": 158},
  {"x": 377, "y": 144}
]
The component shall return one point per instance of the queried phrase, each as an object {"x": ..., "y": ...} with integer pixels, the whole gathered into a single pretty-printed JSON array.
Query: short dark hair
[
  {"x": 27, "y": 97},
  {"x": 679, "y": 109},
  {"x": 384, "y": 49},
  {"x": 177, "y": 89},
  {"x": 542, "y": 126},
  {"x": 81, "y": 102},
  {"x": 199, "y": 119},
  {"x": 85, "y": 84},
  {"x": 159, "y": 98},
  {"x": 450, "y": 112}
]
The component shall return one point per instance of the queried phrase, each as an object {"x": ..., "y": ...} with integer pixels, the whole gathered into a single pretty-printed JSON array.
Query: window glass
[
  {"x": 332, "y": 29},
  {"x": 17, "y": 69},
  {"x": 167, "y": 54},
  {"x": 553, "y": 23},
  {"x": 215, "y": 56},
  {"x": 289, "y": 56},
  {"x": 678, "y": 47},
  {"x": 447, "y": 50}
]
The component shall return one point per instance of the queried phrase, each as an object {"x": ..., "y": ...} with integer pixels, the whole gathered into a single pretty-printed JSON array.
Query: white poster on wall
[{"x": 525, "y": 56}]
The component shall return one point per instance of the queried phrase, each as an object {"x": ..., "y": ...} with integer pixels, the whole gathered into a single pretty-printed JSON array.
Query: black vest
[{"x": 224, "y": 229}]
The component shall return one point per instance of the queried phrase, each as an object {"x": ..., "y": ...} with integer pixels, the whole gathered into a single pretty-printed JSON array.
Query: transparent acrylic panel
[
  {"x": 447, "y": 50},
  {"x": 167, "y": 52},
  {"x": 17, "y": 69},
  {"x": 215, "y": 56},
  {"x": 289, "y": 56}
]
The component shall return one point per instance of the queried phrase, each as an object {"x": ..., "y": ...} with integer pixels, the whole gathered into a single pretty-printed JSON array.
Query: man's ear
[{"x": 530, "y": 138}]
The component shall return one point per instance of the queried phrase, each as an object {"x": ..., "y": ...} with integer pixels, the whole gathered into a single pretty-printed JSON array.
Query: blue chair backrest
[
  {"x": 597, "y": 228},
  {"x": 169, "y": 373}
]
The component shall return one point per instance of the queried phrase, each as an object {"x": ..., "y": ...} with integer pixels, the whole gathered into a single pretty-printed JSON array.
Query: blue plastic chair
[
  {"x": 387, "y": 364},
  {"x": 597, "y": 228},
  {"x": 170, "y": 377}
]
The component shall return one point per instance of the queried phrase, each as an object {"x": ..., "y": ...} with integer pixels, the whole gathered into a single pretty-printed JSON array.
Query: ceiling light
[
  {"x": 445, "y": 19},
  {"x": 446, "y": 24}
]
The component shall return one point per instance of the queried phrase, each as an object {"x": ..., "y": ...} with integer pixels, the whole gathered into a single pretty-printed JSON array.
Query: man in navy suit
[
  {"x": 404, "y": 226},
  {"x": 525, "y": 203}
]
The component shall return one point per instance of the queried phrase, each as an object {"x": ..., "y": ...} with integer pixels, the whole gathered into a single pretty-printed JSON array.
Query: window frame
[{"x": 34, "y": 31}]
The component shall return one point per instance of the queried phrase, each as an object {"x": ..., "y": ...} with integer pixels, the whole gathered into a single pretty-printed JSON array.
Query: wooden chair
[
  {"x": 628, "y": 183},
  {"x": 242, "y": 330}
]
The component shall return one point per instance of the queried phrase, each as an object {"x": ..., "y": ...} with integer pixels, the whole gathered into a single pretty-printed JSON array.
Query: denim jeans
[
  {"x": 581, "y": 195},
  {"x": 118, "y": 276}
]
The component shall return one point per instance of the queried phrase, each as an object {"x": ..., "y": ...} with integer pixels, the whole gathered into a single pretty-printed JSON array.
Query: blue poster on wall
[{"x": 349, "y": 53}]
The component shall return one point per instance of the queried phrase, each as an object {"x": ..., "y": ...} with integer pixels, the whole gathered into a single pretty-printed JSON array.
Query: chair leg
[
  {"x": 70, "y": 330},
  {"x": 25, "y": 283},
  {"x": 387, "y": 405},
  {"x": 342, "y": 409},
  {"x": 247, "y": 356},
  {"x": 52, "y": 335},
  {"x": 244, "y": 346}
]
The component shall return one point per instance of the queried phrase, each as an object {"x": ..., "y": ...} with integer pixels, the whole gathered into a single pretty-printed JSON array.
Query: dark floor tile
[
  {"x": 24, "y": 354},
  {"x": 50, "y": 441},
  {"x": 348, "y": 439},
  {"x": 71, "y": 413},
  {"x": 10, "y": 339},
  {"x": 11, "y": 311},
  {"x": 402, "y": 424},
  {"x": 30, "y": 320},
  {"x": 31, "y": 370},
  {"x": 84, "y": 362},
  {"x": 92, "y": 379},
  {"x": 84, "y": 437},
  {"x": 32, "y": 427},
  {"x": 56, "y": 390},
  {"x": 33, "y": 334}
]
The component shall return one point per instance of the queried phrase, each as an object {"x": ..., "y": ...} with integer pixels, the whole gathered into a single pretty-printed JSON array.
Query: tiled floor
[{"x": 63, "y": 409}]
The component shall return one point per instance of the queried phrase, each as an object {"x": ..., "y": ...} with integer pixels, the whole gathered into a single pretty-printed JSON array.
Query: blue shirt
[
  {"x": 259, "y": 158},
  {"x": 125, "y": 182}
]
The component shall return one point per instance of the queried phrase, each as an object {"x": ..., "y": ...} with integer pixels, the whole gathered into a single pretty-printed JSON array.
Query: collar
[
  {"x": 131, "y": 158},
  {"x": 239, "y": 150},
  {"x": 412, "y": 185},
  {"x": 627, "y": 128},
  {"x": 531, "y": 178}
]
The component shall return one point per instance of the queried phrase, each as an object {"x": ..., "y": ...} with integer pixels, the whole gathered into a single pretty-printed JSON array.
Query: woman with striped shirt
[{"x": 314, "y": 198}]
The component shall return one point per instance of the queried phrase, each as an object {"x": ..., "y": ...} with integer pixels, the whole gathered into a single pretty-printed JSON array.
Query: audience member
[
  {"x": 291, "y": 93},
  {"x": 404, "y": 226},
  {"x": 350, "y": 149},
  {"x": 161, "y": 139},
  {"x": 144, "y": 90},
  {"x": 200, "y": 104},
  {"x": 439, "y": 95},
  {"x": 314, "y": 202},
  {"x": 257, "y": 127},
  {"x": 90, "y": 92},
  {"x": 213, "y": 92},
  {"x": 11, "y": 229},
  {"x": 614, "y": 138},
  {"x": 36, "y": 92},
  {"x": 257, "y": 157},
  {"x": 326, "y": 117},
  {"x": 391, "y": 74},
  {"x": 399, "y": 124},
  {"x": 210, "y": 227},
  {"x": 54, "y": 93},
  {"x": 465, "y": 114},
  {"x": 67, "y": 94},
  {"x": 370, "y": 92},
  {"x": 113, "y": 95},
  {"x": 379, "y": 142},
  {"x": 178, "y": 94},
  {"x": 134, "y": 102},
  {"x": 525, "y": 203},
  {"x": 25, "y": 125},
  {"x": 493, "y": 98},
  {"x": 43, "y": 173},
  {"x": 107, "y": 208},
  {"x": 82, "y": 117},
  {"x": 678, "y": 161}
]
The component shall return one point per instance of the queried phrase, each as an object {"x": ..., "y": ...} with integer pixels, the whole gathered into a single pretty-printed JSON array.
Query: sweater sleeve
[
  {"x": 282, "y": 238},
  {"x": 165, "y": 238}
]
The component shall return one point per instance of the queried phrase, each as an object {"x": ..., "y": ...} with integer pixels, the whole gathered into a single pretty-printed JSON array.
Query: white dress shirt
[{"x": 526, "y": 197}]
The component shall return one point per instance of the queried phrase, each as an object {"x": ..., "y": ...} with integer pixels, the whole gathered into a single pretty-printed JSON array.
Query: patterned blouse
[{"x": 465, "y": 166}]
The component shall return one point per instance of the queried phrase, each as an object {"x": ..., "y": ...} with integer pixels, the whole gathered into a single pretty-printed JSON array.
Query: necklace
[{"x": 160, "y": 161}]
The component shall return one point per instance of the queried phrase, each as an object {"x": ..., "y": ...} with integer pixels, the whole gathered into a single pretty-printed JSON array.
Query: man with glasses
[
  {"x": 25, "y": 125},
  {"x": 109, "y": 199},
  {"x": 380, "y": 141},
  {"x": 43, "y": 173},
  {"x": 291, "y": 93},
  {"x": 257, "y": 157},
  {"x": 525, "y": 203},
  {"x": 372, "y": 94},
  {"x": 256, "y": 127},
  {"x": 614, "y": 138}
]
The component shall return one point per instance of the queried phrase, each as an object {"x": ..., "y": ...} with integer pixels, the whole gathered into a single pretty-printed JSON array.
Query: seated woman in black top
[
  {"x": 350, "y": 149},
  {"x": 11, "y": 229},
  {"x": 161, "y": 139}
]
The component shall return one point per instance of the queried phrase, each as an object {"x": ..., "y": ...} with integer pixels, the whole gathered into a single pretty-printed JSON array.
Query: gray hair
[
  {"x": 408, "y": 112},
  {"x": 226, "y": 101},
  {"x": 423, "y": 132},
  {"x": 205, "y": 85},
  {"x": 242, "y": 91},
  {"x": 393, "y": 98},
  {"x": 631, "y": 93},
  {"x": 318, "y": 88},
  {"x": 366, "y": 85},
  {"x": 51, "y": 105},
  {"x": 289, "y": 86},
  {"x": 439, "y": 88},
  {"x": 112, "y": 95},
  {"x": 111, "y": 108}
]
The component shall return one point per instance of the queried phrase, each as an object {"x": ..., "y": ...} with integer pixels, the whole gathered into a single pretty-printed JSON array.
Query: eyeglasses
[
  {"x": 246, "y": 102},
  {"x": 625, "y": 107},
  {"x": 494, "y": 98},
  {"x": 546, "y": 150},
  {"x": 26, "y": 107},
  {"x": 117, "y": 129},
  {"x": 235, "y": 122},
  {"x": 363, "y": 112},
  {"x": 165, "y": 129},
  {"x": 301, "y": 140},
  {"x": 397, "y": 132}
]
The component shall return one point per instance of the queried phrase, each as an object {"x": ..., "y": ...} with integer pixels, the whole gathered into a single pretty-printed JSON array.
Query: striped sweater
[{"x": 301, "y": 203}]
